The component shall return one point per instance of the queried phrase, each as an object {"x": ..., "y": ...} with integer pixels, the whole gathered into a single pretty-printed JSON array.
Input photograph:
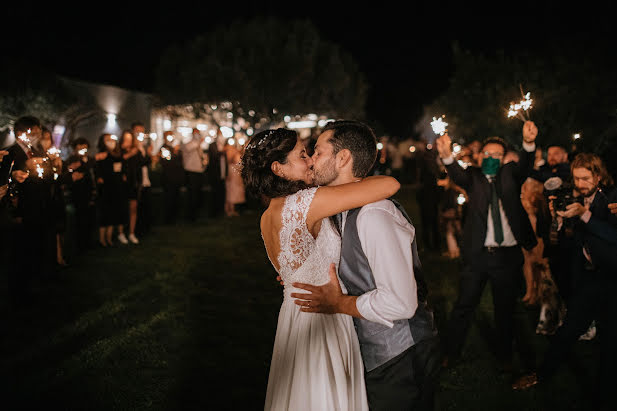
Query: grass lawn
[{"x": 186, "y": 321}]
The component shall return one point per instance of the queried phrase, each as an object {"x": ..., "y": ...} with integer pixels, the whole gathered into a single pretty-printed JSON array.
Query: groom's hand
[{"x": 323, "y": 299}]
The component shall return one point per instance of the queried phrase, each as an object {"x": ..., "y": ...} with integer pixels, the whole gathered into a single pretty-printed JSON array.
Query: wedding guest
[
  {"x": 34, "y": 232},
  {"x": 556, "y": 165},
  {"x": 217, "y": 175},
  {"x": 133, "y": 161},
  {"x": 58, "y": 216},
  {"x": 495, "y": 229},
  {"x": 450, "y": 212},
  {"x": 234, "y": 186},
  {"x": 428, "y": 196},
  {"x": 194, "y": 162},
  {"x": 593, "y": 262},
  {"x": 80, "y": 180},
  {"x": 534, "y": 203},
  {"x": 144, "y": 203},
  {"x": 172, "y": 178},
  {"x": 111, "y": 181}
]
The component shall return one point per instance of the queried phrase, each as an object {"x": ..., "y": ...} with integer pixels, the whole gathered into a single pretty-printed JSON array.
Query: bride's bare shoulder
[{"x": 272, "y": 213}]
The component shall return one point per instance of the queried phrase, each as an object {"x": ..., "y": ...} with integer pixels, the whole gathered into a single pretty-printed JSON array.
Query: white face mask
[{"x": 111, "y": 145}]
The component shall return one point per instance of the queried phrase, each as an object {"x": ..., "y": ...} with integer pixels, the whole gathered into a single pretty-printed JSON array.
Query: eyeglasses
[{"x": 494, "y": 154}]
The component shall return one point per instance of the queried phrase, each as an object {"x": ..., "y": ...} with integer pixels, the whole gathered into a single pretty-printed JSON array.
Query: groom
[{"x": 381, "y": 272}]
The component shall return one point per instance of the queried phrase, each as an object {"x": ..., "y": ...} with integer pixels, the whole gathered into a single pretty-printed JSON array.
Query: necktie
[
  {"x": 496, "y": 214},
  {"x": 339, "y": 221}
]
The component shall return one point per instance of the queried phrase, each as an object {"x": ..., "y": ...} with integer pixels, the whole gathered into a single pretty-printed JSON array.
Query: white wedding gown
[{"x": 316, "y": 362}]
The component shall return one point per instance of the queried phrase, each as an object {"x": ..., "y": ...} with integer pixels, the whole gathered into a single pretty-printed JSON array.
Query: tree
[
  {"x": 30, "y": 91},
  {"x": 266, "y": 66},
  {"x": 573, "y": 92}
]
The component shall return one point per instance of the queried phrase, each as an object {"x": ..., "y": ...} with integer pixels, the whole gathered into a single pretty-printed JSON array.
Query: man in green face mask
[{"x": 496, "y": 227}]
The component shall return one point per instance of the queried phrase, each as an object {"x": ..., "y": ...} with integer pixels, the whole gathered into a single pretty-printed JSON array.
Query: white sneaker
[
  {"x": 122, "y": 238},
  {"x": 133, "y": 239}
]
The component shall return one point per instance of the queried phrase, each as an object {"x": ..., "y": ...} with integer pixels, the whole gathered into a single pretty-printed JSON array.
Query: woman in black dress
[
  {"x": 112, "y": 188},
  {"x": 134, "y": 158}
]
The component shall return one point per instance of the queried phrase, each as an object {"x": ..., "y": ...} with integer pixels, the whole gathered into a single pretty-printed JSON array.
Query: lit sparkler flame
[
  {"x": 40, "y": 170},
  {"x": 439, "y": 126},
  {"x": 24, "y": 139},
  {"x": 166, "y": 153},
  {"x": 525, "y": 104},
  {"x": 82, "y": 152},
  {"x": 54, "y": 151}
]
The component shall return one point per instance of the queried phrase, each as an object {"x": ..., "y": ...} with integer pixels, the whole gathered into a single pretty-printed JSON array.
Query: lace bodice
[{"x": 303, "y": 258}]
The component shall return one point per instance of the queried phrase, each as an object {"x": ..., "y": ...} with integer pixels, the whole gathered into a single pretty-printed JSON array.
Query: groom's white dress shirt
[{"x": 386, "y": 237}]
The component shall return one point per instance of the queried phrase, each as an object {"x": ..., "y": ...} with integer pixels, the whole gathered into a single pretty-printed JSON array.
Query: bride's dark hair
[{"x": 262, "y": 150}]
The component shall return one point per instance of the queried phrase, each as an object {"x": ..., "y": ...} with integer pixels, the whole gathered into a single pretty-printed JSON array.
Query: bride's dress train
[{"x": 316, "y": 361}]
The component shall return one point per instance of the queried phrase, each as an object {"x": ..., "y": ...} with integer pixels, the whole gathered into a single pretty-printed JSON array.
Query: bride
[{"x": 316, "y": 362}]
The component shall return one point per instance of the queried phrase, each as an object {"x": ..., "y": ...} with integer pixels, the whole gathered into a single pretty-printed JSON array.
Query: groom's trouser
[{"x": 406, "y": 382}]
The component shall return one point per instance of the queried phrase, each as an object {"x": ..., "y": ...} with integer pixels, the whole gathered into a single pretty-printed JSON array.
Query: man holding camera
[
  {"x": 593, "y": 260},
  {"x": 496, "y": 228}
]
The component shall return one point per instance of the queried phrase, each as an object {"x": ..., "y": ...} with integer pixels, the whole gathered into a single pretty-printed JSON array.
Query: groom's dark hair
[{"x": 359, "y": 139}]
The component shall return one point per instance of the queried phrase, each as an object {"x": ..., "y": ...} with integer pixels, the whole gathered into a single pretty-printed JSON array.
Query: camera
[{"x": 563, "y": 191}]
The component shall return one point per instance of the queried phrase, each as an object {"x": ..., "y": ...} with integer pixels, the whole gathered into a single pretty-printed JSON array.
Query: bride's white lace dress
[{"x": 316, "y": 362}]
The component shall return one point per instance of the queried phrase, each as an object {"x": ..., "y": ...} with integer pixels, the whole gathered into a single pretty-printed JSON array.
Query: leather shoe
[{"x": 525, "y": 382}]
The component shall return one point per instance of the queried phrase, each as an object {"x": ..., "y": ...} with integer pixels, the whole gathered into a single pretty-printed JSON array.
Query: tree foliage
[
  {"x": 573, "y": 92},
  {"x": 266, "y": 65},
  {"x": 27, "y": 90}
]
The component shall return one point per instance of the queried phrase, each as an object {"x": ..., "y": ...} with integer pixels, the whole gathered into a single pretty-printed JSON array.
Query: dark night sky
[{"x": 404, "y": 54}]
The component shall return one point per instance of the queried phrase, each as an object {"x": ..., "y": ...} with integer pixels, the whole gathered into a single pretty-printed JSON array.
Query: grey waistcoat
[{"x": 379, "y": 343}]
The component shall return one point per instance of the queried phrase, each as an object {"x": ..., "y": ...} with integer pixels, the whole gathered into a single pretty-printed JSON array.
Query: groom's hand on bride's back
[
  {"x": 280, "y": 280},
  {"x": 327, "y": 298}
]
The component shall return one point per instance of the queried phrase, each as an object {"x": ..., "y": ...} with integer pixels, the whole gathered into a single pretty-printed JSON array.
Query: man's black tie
[
  {"x": 338, "y": 218},
  {"x": 496, "y": 214}
]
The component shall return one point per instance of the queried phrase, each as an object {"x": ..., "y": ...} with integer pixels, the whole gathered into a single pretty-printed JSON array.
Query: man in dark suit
[
  {"x": 593, "y": 261},
  {"x": 496, "y": 228},
  {"x": 34, "y": 236},
  {"x": 557, "y": 251},
  {"x": 557, "y": 165}
]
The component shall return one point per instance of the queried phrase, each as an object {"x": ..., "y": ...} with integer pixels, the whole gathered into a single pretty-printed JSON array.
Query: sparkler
[
  {"x": 82, "y": 152},
  {"x": 524, "y": 105},
  {"x": 40, "y": 170},
  {"x": 24, "y": 139},
  {"x": 166, "y": 153},
  {"x": 439, "y": 126},
  {"x": 54, "y": 152}
]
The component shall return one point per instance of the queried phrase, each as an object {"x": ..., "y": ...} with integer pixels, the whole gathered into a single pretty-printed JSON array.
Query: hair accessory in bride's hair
[{"x": 261, "y": 140}]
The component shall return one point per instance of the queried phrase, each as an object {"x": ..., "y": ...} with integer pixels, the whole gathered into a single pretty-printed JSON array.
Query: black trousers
[
  {"x": 406, "y": 382},
  {"x": 172, "y": 201},
  {"x": 217, "y": 198},
  {"x": 144, "y": 211},
  {"x": 430, "y": 224},
  {"x": 503, "y": 268},
  {"x": 194, "y": 182},
  {"x": 85, "y": 218},
  {"x": 594, "y": 298}
]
